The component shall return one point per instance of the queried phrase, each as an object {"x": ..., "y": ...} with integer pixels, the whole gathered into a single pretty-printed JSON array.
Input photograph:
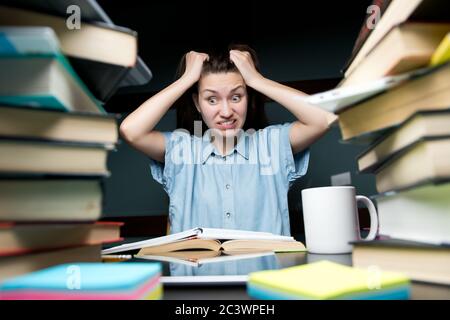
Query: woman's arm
[
  {"x": 137, "y": 128},
  {"x": 312, "y": 122}
]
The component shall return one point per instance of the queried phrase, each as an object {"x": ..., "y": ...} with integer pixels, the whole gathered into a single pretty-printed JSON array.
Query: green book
[{"x": 36, "y": 74}]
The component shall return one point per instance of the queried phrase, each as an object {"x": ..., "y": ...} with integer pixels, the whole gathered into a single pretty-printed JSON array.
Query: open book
[{"x": 215, "y": 240}]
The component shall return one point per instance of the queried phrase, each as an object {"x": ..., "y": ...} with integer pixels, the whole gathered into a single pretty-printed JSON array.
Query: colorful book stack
[
  {"x": 407, "y": 129},
  {"x": 325, "y": 280},
  {"x": 103, "y": 54},
  {"x": 87, "y": 281},
  {"x": 54, "y": 141}
]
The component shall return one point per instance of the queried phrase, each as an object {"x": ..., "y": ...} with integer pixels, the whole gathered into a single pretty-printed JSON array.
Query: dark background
[{"x": 301, "y": 43}]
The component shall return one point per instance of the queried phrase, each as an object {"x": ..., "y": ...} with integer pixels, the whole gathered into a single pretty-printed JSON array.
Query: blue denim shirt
[{"x": 245, "y": 189}]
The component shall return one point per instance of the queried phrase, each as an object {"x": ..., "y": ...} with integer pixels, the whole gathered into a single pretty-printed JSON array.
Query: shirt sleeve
[
  {"x": 292, "y": 166},
  {"x": 296, "y": 164},
  {"x": 159, "y": 170}
]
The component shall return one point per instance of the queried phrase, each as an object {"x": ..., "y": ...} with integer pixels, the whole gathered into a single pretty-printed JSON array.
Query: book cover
[
  {"x": 25, "y": 50},
  {"x": 420, "y": 125},
  {"x": 138, "y": 75},
  {"x": 104, "y": 281},
  {"x": 92, "y": 62},
  {"x": 57, "y": 125}
]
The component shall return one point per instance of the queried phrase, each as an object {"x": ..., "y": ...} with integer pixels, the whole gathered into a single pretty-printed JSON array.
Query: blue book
[{"x": 129, "y": 280}]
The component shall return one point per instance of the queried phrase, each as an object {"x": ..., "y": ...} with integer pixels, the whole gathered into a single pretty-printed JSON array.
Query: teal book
[
  {"x": 36, "y": 74},
  {"x": 87, "y": 281}
]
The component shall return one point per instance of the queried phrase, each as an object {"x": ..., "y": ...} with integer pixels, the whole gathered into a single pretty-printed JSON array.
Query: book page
[
  {"x": 262, "y": 245},
  {"x": 228, "y": 234},
  {"x": 191, "y": 244}
]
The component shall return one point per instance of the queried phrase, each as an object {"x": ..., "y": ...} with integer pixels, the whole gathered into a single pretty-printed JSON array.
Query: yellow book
[
  {"x": 328, "y": 280},
  {"x": 442, "y": 53}
]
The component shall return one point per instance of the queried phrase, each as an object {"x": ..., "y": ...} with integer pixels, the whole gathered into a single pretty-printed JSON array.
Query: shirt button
[
  {"x": 228, "y": 214},
  {"x": 228, "y": 186}
]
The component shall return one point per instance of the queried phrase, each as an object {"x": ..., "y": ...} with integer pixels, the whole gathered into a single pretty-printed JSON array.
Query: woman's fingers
[
  {"x": 241, "y": 56},
  {"x": 244, "y": 63},
  {"x": 194, "y": 64}
]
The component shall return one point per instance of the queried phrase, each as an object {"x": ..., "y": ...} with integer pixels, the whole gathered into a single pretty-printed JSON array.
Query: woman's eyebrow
[
  {"x": 211, "y": 90},
  {"x": 238, "y": 87},
  {"x": 214, "y": 91}
]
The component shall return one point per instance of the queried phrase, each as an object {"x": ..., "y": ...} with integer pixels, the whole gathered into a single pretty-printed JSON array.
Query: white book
[
  {"x": 420, "y": 214},
  {"x": 335, "y": 100}
]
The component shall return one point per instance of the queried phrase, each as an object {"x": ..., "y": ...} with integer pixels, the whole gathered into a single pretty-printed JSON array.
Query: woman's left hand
[{"x": 244, "y": 62}]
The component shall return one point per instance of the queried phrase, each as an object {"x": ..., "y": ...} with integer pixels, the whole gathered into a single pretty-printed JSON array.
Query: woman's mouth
[{"x": 229, "y": 124}]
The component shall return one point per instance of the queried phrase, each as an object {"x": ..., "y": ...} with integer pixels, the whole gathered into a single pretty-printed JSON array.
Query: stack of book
[
  {"x": 407, "y": 129},
  {"x": 54, "y": 140},
  {"x": 87, "y": 281},
  {"x": 325, "y": 280},
  {"x": 103, "y": 54}
]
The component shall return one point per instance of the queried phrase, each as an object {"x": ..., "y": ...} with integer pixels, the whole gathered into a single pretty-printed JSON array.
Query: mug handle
[{"x": 373, "y": 218}]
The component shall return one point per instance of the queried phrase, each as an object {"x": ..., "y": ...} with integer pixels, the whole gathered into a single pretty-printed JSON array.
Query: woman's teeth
[{"x": 227, "y": 122}]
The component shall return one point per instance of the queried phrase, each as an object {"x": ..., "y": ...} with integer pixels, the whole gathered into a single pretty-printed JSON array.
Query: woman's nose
[{"x": 225, "y": 110}]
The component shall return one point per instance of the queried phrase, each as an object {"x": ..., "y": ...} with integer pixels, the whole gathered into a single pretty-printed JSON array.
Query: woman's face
[{"x": 222, "y": 102}]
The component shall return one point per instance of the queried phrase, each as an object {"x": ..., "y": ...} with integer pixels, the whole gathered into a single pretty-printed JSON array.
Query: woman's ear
[{"x": 195, "y": 99}]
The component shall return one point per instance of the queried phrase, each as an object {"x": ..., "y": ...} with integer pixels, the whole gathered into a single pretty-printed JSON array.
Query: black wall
[{"x": 294, "y": 42}]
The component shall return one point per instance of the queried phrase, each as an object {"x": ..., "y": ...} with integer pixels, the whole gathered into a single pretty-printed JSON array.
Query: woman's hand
[
  {"x": 244, "y": 62},
  {"x": 194, "y": 64}
]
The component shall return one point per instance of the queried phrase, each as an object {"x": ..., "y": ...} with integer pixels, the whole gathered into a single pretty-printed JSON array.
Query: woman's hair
[{"x": 219, "y": 62}]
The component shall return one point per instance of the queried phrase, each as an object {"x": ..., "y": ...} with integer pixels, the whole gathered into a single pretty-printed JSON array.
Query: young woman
[{"x": 230, "y": 176}]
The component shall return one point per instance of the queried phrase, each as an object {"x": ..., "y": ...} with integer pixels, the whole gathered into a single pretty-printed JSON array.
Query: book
[
  {"x": 336, "y": 100},
  {"x": 425, "y": 160},
  {"x": 442, "y": 53},
  {"x": 420, "y": 213},
  {"x": 51, "y": 80},
  {"x": 36, "y": 198},
  {"x": 197, "y": 258},
  {"x": 326, "y": 280},
  {"x": 398, "y": 12},
  {"x": 421, "y": 125},
  {"x": 419, "y": 261},
  {"x": 429, "y": 91},
  {"x": 13, "y": 266},
  {"x": 25, "y": 156},
  {"x": 21, "y": 238},
  {"x": 43, "y": 82},
  {"x": 102, "y": 67},
  {"x": 57, "y": 125},
  {"x": 87, "y": 281},
  {"x": 366, "y": 28},
  {"x": 213, "y": 239},
  {"x": 138, "y": 75},
  {"x": 405, "y": 47}
]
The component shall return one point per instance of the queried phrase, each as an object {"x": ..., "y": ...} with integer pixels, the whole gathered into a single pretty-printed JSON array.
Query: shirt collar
[{"x": 242, "y": 147}]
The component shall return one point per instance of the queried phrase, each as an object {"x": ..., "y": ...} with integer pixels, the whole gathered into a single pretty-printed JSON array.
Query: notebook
[
  {"x": 324, "y": 280},
  {"x": 87, "y": 281}
]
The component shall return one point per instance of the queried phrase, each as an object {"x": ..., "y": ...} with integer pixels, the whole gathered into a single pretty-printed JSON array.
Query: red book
[{"x": 22, "y": 238}]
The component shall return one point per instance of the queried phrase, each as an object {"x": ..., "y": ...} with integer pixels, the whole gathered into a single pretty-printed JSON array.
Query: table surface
[{"x": 420, "y": 291}]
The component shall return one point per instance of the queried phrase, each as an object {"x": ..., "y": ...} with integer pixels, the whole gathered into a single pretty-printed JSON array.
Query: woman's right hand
[{"x": 194, "y": 64}]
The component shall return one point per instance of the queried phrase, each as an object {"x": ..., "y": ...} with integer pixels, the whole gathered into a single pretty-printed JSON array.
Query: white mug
[{"x": 331, "y": 219}]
